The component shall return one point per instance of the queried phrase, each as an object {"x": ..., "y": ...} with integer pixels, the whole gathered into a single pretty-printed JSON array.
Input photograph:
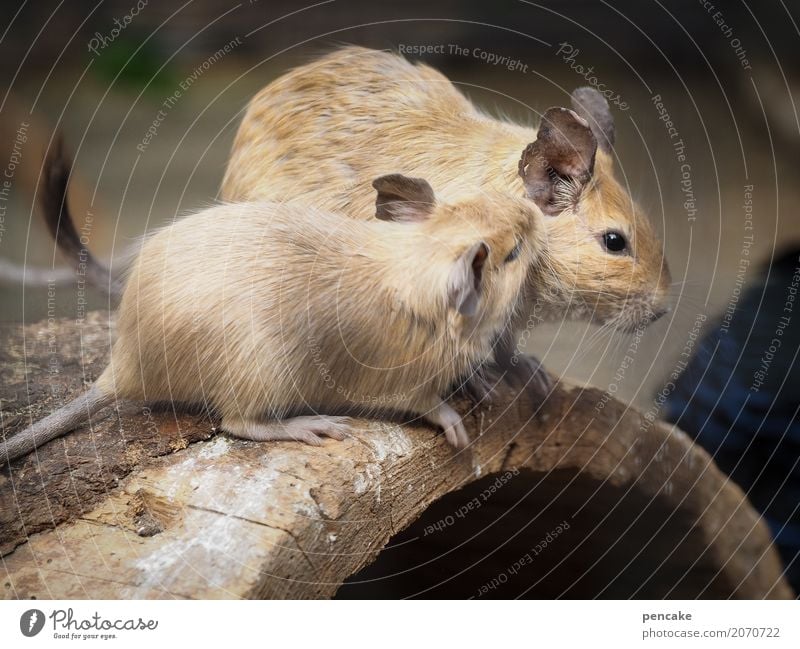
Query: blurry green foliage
[{"x": 134, "y": 70}]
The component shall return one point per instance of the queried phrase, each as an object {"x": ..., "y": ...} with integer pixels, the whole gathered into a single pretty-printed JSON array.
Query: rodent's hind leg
[
  {"x": 308, "y": 429},
  {"x": 454, "y": 432}
]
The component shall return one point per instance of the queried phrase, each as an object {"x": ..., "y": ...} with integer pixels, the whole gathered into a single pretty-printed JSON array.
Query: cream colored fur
[
  {"x": 324, "y": 130},
  {"x": 266, "y": 310}
]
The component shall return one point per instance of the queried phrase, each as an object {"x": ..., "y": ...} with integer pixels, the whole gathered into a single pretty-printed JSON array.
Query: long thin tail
[
  {"x": 59, "y": 423},
  {"x": 55, "y": 210},
  {"x": 12, "y": 273}
]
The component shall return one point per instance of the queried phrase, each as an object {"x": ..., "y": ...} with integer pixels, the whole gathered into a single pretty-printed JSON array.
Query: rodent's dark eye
[
  {"x": 614, "y": 241},
  {"x": 511, "y": 256}
]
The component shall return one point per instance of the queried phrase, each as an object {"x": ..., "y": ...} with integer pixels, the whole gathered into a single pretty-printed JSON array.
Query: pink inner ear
[
  {"x": 478, "y": 262},
  {"x": 564, "y": 146}
]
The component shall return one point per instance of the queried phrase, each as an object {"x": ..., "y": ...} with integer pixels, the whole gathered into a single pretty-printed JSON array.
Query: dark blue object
[{"x": 739, "y": 398}]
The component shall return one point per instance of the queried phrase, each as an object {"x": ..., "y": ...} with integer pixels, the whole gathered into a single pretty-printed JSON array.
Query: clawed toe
[
  {"x": 477, "y": 389},
  {"x": 454, "y": 432},
  {"x": 530, "y": 375},
  {"x": 457, "y": 437},
  {"x": 307, "y": 437},
  {"x": 309, "y": 430},
  {"x": 332, "y": 427}
]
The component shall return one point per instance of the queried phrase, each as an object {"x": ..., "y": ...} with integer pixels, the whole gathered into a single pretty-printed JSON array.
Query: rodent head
[
  {"x": 602, "y": 260},
  {"x": 491, "y": 239}
]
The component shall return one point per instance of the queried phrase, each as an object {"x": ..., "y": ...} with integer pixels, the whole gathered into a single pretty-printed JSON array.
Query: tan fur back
[
  {"x": 326, "y": 129},
  {"x": 359, "y": 114}
]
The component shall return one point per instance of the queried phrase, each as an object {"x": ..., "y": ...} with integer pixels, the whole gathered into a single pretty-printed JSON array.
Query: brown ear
[
  {"x": 403, "y": 199},
  {"x": 593, "y": 107},
  {"x": 564, "y": 149},
  {"x": 464, "y": 283}
]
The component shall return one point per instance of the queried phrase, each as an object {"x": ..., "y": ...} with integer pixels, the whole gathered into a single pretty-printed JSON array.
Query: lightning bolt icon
[{"x": 32, "y": 621}]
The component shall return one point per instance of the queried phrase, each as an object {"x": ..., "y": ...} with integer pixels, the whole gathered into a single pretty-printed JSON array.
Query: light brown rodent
[
  {"x": 358, "y": 113},
  {"x": 281, "y": 317}
]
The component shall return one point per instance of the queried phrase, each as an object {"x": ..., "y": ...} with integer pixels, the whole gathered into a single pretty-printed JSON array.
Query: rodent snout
[{"x": 643, "y": 319}]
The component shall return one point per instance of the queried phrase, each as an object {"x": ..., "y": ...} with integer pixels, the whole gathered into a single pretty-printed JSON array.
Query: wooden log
[{"x": 145, "y": 503}]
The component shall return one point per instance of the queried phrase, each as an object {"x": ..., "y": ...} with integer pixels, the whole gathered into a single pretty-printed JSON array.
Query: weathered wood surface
[{"x": 155, "y": 504}]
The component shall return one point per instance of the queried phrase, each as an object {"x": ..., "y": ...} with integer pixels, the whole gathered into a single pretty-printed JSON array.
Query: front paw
[
  {"x": 527, "y": 373},
  {"x": 456, "y": 435},
  {"x": 454, "y": 431},
  {"x": 478, "y": 386}
]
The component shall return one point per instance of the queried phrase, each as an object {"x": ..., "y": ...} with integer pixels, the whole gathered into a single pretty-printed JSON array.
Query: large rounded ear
[
  {"x": 564, "y": 150},
  {"x": 593, "y": 107},
  {"x": 466, "y": 277},
  {"x": 401, "y": 198}
]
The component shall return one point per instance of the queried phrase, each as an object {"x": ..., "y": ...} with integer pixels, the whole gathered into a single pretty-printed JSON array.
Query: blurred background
[{"x": 726, "y": 76}]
